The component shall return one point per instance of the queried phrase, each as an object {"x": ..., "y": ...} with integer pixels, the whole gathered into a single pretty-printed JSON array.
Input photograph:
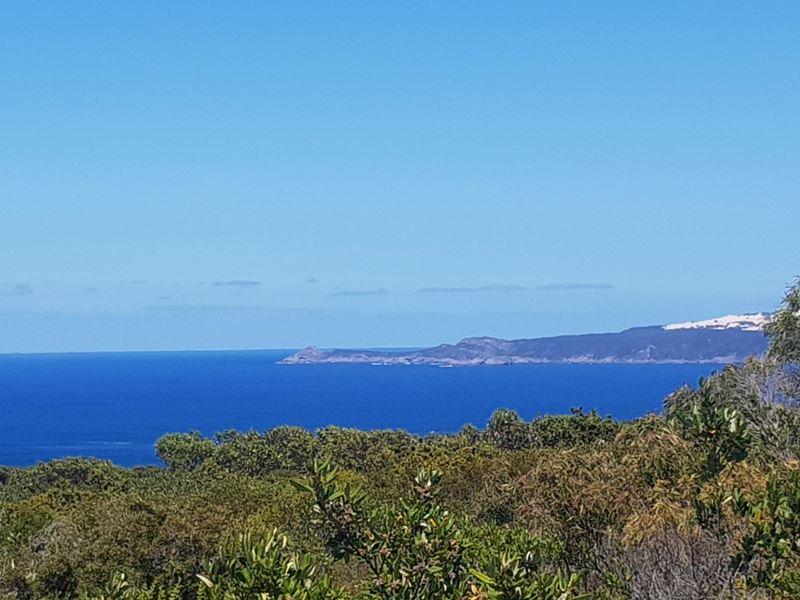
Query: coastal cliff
[{"x": 724, "y": 340}]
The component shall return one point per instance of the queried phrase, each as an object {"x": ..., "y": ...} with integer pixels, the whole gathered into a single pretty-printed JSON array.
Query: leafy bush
[
  {"x": 508, "y": 431},
  {"x": 184, "y": 450},
  {"x": 576, "y": 429},
  {"x": 253, "y": 567}
]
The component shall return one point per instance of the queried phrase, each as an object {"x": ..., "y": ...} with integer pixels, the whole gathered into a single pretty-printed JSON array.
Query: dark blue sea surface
[{"x": 115, "y": 405}]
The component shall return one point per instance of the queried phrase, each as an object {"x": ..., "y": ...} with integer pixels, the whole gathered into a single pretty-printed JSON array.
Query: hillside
[{"x": 724, "y": 340}]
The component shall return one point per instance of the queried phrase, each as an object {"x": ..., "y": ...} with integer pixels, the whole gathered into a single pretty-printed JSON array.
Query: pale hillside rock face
[{"x": 752, "y": 322}]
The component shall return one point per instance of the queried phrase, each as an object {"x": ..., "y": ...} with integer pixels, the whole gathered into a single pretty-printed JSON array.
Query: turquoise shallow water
[{"x": 115, "y": 405}]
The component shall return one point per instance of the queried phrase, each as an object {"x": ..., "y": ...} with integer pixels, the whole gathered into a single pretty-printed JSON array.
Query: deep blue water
[{"x": 116, "y": 405}]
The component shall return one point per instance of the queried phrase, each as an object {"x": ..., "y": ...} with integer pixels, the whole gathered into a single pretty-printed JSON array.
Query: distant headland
[{"x": 728, "y": 339}]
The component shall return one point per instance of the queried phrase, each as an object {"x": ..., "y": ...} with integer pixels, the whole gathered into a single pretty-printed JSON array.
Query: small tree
[
  {"x": 508, "y": 431},
  {"x": 783, "y": 328},
  {"x": 184, "y": 450},
  {"x": 716, "y": 428}
]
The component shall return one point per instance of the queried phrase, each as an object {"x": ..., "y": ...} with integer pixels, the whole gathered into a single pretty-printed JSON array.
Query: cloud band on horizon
[
  {"x": 236, "y": 283},
  {"x": 345, "y": 293},
  {"x": 18, "y": 289},
  {"x": 515, "y": 288}
]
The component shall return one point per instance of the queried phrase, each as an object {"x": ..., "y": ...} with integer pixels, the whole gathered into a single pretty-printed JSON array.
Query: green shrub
[
  {"x": 184, "y": 450},
  {"x": 264, "y": 567}
]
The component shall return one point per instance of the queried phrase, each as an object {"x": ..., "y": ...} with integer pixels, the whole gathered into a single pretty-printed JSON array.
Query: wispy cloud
[
  {"x": 311, "y": 280},
  {"x": 229, "y": 308},
  {"x": 504, "y": 287},
  {"x": 351, "y": 293},
  {"x": 18, "y": 289},
  {"x": 513, "y": 287},
  {"x": 236, "y": 283},
  {"x": 574, "y": 286}
]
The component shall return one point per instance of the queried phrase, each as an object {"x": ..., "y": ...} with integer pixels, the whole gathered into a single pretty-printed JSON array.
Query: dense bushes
[
  {"x": 184, "y": 450},
  {"x": 83, "y": 527},
  {"x": 288, "y": 449},
  {"x": 642, "y": 513}
]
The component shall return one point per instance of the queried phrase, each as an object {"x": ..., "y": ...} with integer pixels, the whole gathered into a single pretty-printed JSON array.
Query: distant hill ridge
[{"x": 722, "y": 340}]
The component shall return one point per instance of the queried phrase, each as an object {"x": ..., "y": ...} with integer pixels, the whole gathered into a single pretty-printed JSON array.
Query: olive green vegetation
[{"x": 702, "y": 502}]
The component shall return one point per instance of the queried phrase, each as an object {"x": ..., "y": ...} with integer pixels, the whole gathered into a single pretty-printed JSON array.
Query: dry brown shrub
[{"x": 676, "y": 565}]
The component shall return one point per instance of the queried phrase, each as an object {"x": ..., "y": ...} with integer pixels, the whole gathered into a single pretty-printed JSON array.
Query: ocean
[{"x": 116, "y": 405}]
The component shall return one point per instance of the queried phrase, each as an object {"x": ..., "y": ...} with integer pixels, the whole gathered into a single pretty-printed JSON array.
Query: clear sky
[{"x": 277, "y": 174}]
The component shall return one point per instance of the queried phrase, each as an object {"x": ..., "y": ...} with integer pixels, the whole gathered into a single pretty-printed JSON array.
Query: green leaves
[
  {"x": 413, "y": 550},
  {"x": 184, "y": 450},
  {"x": 417, "y": 549},
  {"x": 718, "y": 430},
  {"x": 783, "y": 329},
  {"x": 514, "y": 582},
  {"x": 264, "y": 567},
  {"x": 508, "y": 431}
]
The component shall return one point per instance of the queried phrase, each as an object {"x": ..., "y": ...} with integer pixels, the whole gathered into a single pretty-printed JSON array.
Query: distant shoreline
[{"x": 726, "y": 340}]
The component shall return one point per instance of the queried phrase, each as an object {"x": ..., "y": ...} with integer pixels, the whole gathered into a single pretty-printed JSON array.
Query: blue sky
[{"x": 276, "y": 174}]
